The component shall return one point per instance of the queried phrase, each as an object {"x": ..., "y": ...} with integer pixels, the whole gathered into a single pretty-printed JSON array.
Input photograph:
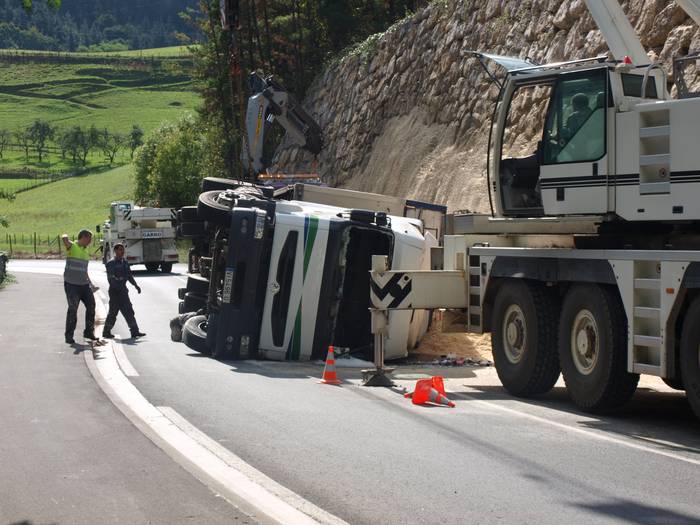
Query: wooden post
[
  {"x": 35, "y": 246},
  {"x": 11, "y": 246}
]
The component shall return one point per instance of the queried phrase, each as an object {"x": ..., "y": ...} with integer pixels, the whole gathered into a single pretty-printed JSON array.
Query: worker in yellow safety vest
[{"x": 78, "y": 286}]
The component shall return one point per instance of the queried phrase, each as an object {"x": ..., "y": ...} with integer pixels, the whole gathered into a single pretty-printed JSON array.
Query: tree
[
  {"x": 24, "y": 139},
  {"x": 4, "y": 140},
  {"x": 169, "y": 166},
  {"x": 135, "y": 138},
  {"x": 111, "y": 143},
  {"x": 39, "y": 133},
  {"x": 28, "y": 4},
  {"x": 70, "y": 141}
]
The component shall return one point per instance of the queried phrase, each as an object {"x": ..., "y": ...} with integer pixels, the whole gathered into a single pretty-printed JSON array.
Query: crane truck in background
[
  {"x": 589, "y": 264},
  {"x": 148, "y": 235}
]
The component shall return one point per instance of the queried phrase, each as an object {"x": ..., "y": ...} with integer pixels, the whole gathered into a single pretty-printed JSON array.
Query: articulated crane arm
[{"x": 271, "y": 102}]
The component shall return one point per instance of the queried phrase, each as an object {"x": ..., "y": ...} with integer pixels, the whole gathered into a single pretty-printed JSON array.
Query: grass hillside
[
  {"x": 114, "y": 96},
  {"x": 64, "y": 206}
]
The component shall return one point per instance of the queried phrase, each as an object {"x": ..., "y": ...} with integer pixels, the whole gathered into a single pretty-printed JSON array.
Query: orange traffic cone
[
  {"x": 431, "y": 391},
  {"x": 329, "y": 375},
  {"x": 436, "y": 382}
]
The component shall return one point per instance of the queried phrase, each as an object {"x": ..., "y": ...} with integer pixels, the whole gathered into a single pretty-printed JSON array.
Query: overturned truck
[{"x": 276, "y": 276}]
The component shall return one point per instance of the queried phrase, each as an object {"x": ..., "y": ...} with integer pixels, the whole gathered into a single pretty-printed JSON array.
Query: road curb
[{"x": 240, "y": 484}]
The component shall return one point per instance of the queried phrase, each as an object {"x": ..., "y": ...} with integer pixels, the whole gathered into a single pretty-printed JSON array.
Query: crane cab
[{"x": 593, "y": 137}]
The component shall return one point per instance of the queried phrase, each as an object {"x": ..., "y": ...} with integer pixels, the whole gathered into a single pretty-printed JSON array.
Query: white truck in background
[{"x": 148, "y": 235}]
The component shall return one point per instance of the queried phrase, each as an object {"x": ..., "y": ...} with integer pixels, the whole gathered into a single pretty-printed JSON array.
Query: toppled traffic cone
[
  {"x": 430, "y": 391},
  {"x": 435, "y": 382},
  {"x": 329, "y": 375}
]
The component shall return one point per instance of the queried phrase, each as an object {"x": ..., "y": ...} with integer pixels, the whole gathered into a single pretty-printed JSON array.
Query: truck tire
[
  {"x": 197, "y": 285},
  {"x": 152, "y": 267},
  {"x": 166, "y": 267},
  {"x": 593, "y": 348},
  {"x": 523, "y": 337},
  {"x": 218, "y": 183},
  {"x": 211, "y": 210},
  {"x": 674, "y": 382},
  {"x": 193, "y": 302},
  {"x": 194, "y": 334},
  {"x": 690, "y": 356},
  {"x": 191, "y": 229},
  {"x": 188, "y": 214}
]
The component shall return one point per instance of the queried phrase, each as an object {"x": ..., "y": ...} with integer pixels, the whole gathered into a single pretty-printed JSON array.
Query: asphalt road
[
  {"x": 67, "y": 455},
  {"x": 370, "y": 456}
]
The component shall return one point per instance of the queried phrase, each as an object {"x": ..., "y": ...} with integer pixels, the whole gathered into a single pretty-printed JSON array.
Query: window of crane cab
[
  {"x": 576, "y": 122},
  {"x": 632, "y": 85}
]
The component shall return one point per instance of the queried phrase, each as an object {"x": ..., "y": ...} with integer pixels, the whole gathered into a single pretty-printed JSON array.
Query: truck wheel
[
  {"x": 523, "y": 335},
  {"x": 197, "y": 285},
  {"x": 593, "y": 348},
  {"x": 674, "y": 382},
  {"x": 690, "y": 356},
  {"x": 152, "y": 267},
  {"x": 191, "y": 229},
  {"x": 194, "y": 302},
  {"x": 166, "y": 267},
  {"x": 210, "y": 209},
  {"x": 189, "y": 214},
  {"x": 194, "y": 334}
]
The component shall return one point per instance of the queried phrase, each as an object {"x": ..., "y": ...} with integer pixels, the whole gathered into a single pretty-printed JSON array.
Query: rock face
[{"x": 407, "y": 113}]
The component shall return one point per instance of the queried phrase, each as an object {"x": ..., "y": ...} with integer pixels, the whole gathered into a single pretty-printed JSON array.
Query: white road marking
[
  {"x": 250, "y": 474},
  {"x": 588, "y": 433},
  {"x": 219, "y": 469},
  {"x": 123, "y": 361}
]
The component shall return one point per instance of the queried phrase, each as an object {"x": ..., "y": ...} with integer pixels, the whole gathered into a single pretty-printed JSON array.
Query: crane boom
[
  {"x": 617, "y": 30},
  {"x": 692, "y": 7}
]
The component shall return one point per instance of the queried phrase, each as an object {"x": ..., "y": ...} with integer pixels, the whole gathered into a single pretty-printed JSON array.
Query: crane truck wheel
[
  {"x": 523, "y": 335},
  {"x": 593, "y": 348},
  {"x": 194, "y": 334},
  {"x": 210, "y": 209},
  {"x": 166, "y": 267},
  {"x": 152, "y": 267},
  {"x": 690, "y": 355}
]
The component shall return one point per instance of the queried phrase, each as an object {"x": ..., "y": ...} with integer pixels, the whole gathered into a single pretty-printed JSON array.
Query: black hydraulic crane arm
[{"x": 271, "y": 102}]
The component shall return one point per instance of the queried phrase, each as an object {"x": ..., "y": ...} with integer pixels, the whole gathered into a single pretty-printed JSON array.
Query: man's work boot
[
  {"x": 137, "y": 334},
  {"x": 70, "y": 340},
  {"x": 107, "y": 334}
]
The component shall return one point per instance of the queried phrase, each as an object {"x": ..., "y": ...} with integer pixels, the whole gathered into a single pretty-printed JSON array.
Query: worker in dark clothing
[{"x": 118, "y": 273}]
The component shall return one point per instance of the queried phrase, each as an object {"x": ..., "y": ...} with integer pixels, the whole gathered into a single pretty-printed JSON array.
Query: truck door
[{"x": 574, "y": 170}]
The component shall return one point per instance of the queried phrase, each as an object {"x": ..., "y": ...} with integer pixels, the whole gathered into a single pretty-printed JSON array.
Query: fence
[{"x": 39, "y": 244}]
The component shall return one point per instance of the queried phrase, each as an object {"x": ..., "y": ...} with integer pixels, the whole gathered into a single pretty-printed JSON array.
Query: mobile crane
[{"x": 589, "y": 263}]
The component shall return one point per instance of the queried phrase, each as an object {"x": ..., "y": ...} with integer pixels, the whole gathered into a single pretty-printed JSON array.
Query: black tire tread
[
  {"x": 690, "y": 339},
  {"x": 620, "y": 385},
  {"x": 193, "y": 337},
  {"x": 546, "y": 369}
]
